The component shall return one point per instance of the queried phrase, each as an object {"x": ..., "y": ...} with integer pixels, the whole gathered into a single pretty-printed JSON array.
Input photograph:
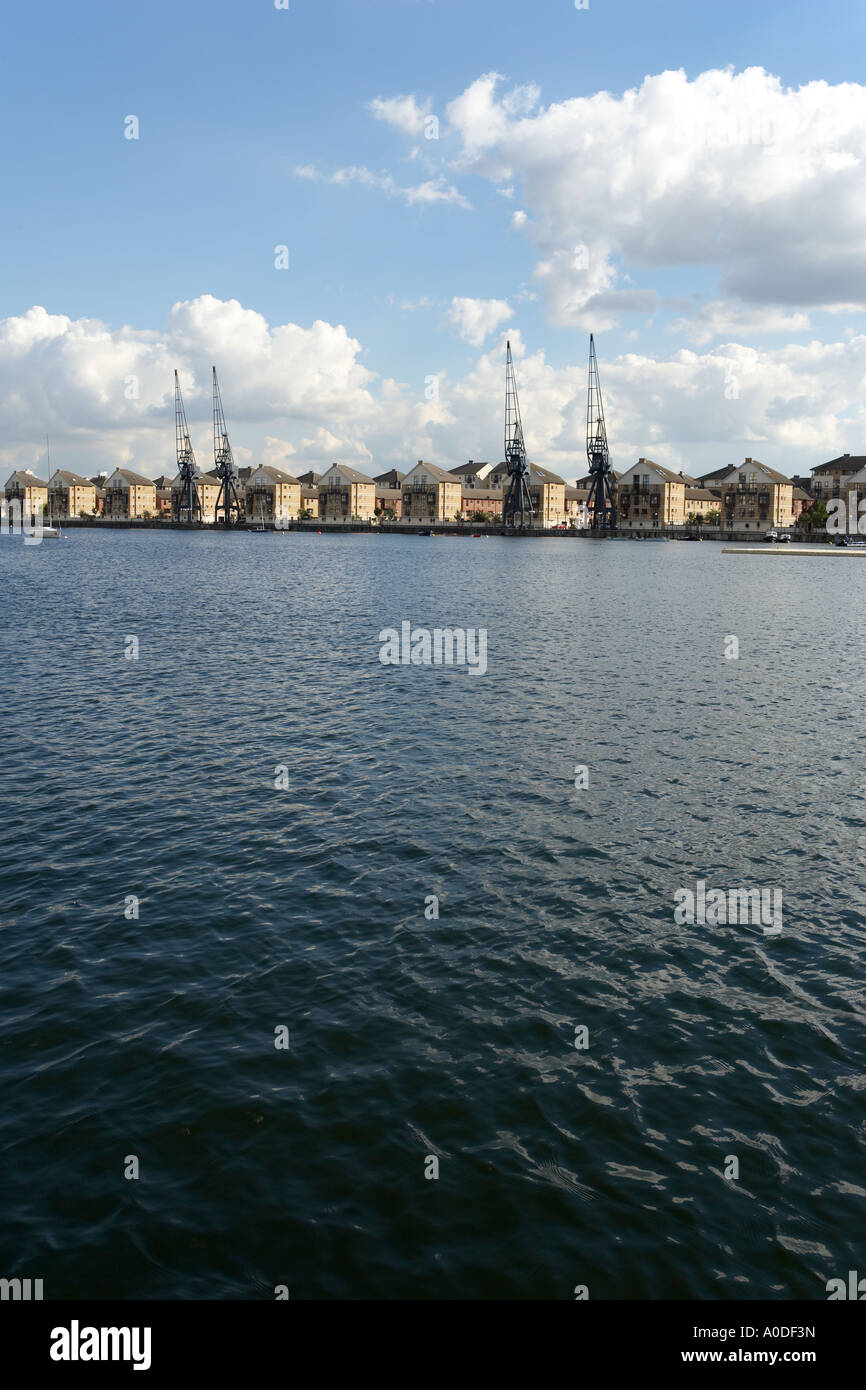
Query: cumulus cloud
[
  {"x": 720, "y": 317},
  {"x": 476, "y": 319},
  {"x": 300, "y": 397},
  {"x": 402, "y": 112},
  {"x": 735, "y": 170}
]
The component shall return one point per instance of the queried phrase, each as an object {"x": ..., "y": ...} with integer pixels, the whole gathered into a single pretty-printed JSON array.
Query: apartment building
[
  {"x": 129, "y": 496},
  {"x": 481, "y": 499},
  {"x": 701, "y": 501},
  {"x": 833, "y": 479},
  {"x": 650, "y": 497},
  {"x": 28, "y": 491},
  {"x": 389, "y": 493},
  {"x": 69, "y": 495},
  {"x": 756, "y": 498},
  {"x": 271, "y": 494},
  {"x": 431, "y": 494},
  {"x": 345, "y": 494}
]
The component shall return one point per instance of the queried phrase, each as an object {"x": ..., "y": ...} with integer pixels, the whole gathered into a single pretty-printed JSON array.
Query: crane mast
[
  {"x": 600, "y": 503},
  {"x": 517, "y": 508},
  {"x": 187, "y": 503},
  {"x": 228, "y": 502}
]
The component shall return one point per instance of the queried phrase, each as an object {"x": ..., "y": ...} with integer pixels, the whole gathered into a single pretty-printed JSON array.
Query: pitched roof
[
  {"x": 390, "y": 479},
  {"x": 135, "y": 479},
  {"x": 848, "y": 463},
  {"x": 309, "y": 478},
  {"x": 667, "y": 474},
  {"x": 470, "y": 469},
  {"x": 545, "y": 474},
  {"x": 701, "y": 494},
  {"x": 716, "y": 474},
  {"x": 350, "y": 474},
  {"x": 765, "y": 468},
  {"x": 202, "y": 479},
  {"x": 271, "y": 474},
  {"x": 802, "y": 495},
  {"x": 587, "y": 478},
  {"x": 70, "y": 479},
  {"x": 440, "y": 474},
  {"x": 25, "y": 476}
]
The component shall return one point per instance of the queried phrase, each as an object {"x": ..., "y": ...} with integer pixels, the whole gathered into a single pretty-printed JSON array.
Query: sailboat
[
  {"x": 261, "y": 526},
  {"x": 49, "y": 532}
]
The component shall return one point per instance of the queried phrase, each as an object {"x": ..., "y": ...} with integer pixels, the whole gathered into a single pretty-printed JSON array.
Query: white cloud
[
  {"x": 436, "y": 190},
  {"x": 402, "y": 112},
  {"x": 731, "y": 169},
  {"x": 475, "y": 319},
  {"x": 719, "y": 318},
  {"x": 277, "y": 453}
]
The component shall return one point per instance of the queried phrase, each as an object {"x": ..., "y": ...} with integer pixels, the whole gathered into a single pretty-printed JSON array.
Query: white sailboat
[{"x": 49, "y": 532}]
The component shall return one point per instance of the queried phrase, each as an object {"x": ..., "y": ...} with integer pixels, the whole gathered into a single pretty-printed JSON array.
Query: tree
[
  {"x": 479, "y": 516},
  {"x": 814, "y": 517},
  {"x": 713, "y": 518}
]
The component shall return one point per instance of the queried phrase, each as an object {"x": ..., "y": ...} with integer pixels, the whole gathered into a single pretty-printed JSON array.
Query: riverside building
[
  {"x": 431, "y": 494},
  {"x": 30, "y": 492},
  {"x": 389, "y": 493},
  {"x": 756, "y": 498},
  {"x": 270, "y": 493},
  {"x": 835, "y": 478},
  {"x": 345, "y": 494},
  {"x": 69, "y": 495},
  {"x": 649, "y": 497},
  {"x": 129, "y": 496}
]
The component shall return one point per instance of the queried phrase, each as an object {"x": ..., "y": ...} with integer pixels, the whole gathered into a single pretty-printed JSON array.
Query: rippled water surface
[{"x": 304, "y": 907}]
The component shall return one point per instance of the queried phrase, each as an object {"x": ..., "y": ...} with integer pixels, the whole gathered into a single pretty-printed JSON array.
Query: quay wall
[{"x": 705, "y": 533}]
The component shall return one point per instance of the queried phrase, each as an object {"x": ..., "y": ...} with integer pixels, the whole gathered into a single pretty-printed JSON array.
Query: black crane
[
  {"x": 186, "y": 505},
  {"x": 228, "y": 501},
  {"x": 517, "y": 508},
  {"x": 600, "y": 503}
]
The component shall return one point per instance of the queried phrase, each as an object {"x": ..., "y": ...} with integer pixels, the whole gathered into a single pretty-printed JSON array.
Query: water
[{"x": 453, "y": 1038}]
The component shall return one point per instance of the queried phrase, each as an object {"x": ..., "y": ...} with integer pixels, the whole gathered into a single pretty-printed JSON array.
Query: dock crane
[
  {"x": 517, "y": 508},
  {"x": 186, "y": 506},
  {"x": 228, "y": 501},
  {"x": 600, "y": 503}
]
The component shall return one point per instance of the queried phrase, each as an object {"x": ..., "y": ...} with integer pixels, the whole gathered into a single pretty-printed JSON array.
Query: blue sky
[{"x": 234, "y": 98}]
